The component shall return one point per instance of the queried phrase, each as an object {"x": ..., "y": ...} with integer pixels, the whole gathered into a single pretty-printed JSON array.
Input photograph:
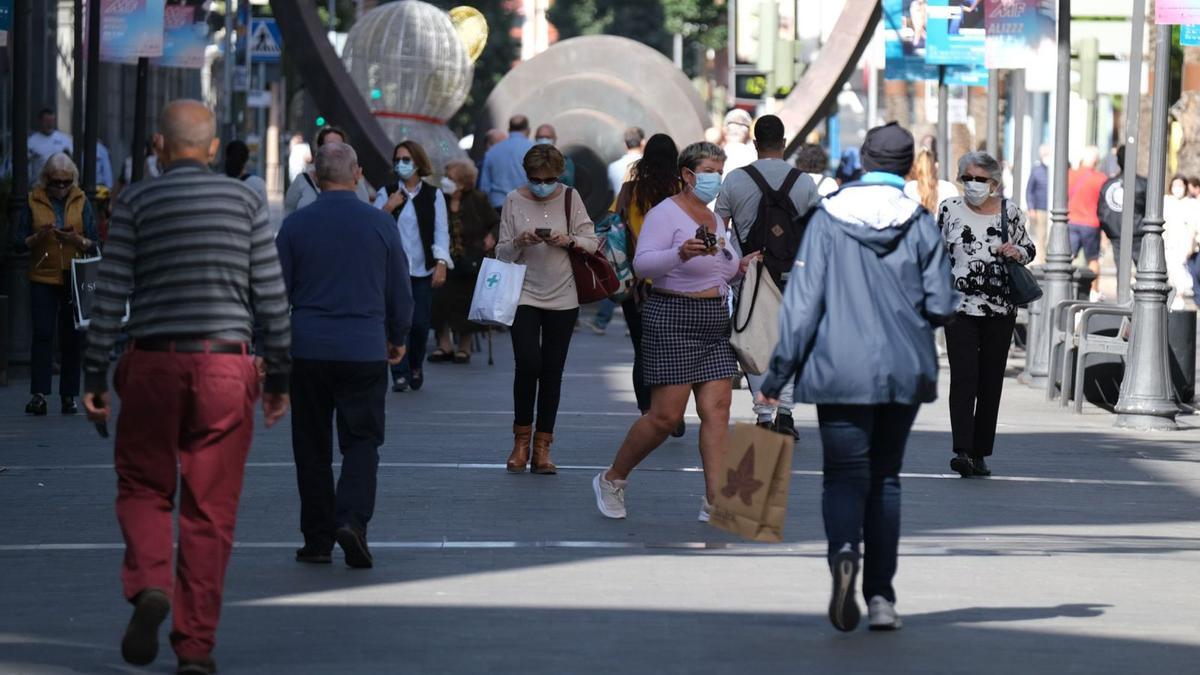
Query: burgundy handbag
[{"x": 595, "y": 279}]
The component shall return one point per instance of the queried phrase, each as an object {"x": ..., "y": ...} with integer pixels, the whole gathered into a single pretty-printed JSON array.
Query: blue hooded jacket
[{"x": 871, "y": 281}]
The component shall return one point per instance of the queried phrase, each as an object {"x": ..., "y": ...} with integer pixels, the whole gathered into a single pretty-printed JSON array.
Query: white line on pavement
[{"x": 597, "y": 467}]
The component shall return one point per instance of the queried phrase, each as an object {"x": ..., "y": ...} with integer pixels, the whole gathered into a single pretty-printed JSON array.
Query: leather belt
[{"x": 191, "y": 346}]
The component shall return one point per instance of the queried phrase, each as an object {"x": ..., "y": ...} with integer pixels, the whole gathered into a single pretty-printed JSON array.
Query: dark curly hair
[{"x": 656, "y": 174}]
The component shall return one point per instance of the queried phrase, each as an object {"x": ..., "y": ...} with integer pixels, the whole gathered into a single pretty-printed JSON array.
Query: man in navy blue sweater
[{"x": 347, "y": 280}]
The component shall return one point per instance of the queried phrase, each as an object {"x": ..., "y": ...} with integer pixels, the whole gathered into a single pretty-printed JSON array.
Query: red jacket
[{"x": 1083, "y": 194}]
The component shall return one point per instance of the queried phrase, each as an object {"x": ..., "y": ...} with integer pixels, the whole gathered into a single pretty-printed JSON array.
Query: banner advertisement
[
  {"x": 955, "y": 33},
  {"x": 184, "y": 38},
  {"x": 904, "y": 41},
  {"x": 966, "y": 76},
  {"x": 1177, "y": 11},
  {"x": 6, "y": 7},
  {"x": 1189, "y": 36},
  {"x": 1017, "y": 32},
  {"x": 130, "y": 29}
]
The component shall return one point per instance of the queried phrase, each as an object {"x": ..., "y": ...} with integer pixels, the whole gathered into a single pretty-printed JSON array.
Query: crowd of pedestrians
[{"x": 220, "y": 311}]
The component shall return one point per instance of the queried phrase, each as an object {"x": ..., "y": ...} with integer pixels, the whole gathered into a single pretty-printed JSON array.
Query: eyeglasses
[
  {"x": 973, "y": 179},
  {"x": 543, "y": 181},
  {"x": 60, "y": 184}
]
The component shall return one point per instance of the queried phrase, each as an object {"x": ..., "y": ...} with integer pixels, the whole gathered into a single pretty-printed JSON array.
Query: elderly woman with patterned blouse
[{"x": 977, "y": 340}]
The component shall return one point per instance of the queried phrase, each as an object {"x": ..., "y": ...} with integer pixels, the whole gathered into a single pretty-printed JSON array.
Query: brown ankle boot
[
  {"x": 519, "y": 458},
  {"x": 541, "y": 454}
]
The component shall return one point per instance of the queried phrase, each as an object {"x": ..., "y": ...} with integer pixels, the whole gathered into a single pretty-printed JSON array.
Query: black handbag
[{"x": 1023, "y": 288}]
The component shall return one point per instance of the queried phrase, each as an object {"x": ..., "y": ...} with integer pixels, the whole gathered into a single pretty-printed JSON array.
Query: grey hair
[
  {"x": 336, "y": 163},
  {"x": 59, "y": 162},
  {"x": 984, "y": 161},
  {"x": 692, "y": 155}
]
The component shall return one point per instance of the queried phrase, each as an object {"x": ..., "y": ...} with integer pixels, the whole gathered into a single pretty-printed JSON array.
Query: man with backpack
[{"x": 768, "y": 203}]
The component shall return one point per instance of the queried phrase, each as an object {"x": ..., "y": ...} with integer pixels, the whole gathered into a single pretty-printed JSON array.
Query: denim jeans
[
  {"x": 604, "y": 313},
  {"x": 767, "y": 413},
  {"x": 864, "y": 448},
  {"x": 418, "y": 335}
]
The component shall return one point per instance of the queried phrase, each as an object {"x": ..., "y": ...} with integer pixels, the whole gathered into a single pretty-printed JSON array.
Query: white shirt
[
  {"x": 738, "y": 155},
  {"x": 43, "y": 146},
  {"x": 298, "y": 156},
  {"x": 410, "y": 234},
  {"x": 618, "y": 169},
  {"x": 826, "y": 185}
]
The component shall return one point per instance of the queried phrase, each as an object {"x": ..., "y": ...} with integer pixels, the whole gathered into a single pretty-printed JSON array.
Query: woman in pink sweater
[{"x": 683, "y": 251}]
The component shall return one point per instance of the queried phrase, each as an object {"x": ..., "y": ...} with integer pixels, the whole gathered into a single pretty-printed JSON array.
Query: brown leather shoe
[
  {"x": 541, "y": 454},
  {"x": 519, "y": 458}
]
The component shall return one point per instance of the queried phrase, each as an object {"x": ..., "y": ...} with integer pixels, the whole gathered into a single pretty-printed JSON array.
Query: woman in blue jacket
[{"x": 871, "y": 281}]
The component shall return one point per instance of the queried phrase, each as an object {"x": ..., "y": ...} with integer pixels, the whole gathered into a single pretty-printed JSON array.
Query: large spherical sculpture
[
  {"x": 591, "y": 89},
  {"x": 407, "y": 60}
]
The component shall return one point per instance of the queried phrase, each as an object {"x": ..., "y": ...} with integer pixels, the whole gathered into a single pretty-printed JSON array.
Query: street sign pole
[
  {"x": 1133, "y": 110},
  {"x": 1147, "y": 399}
]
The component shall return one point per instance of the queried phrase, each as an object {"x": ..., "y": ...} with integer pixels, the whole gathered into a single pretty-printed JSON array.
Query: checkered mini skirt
[{"x": 686, "y": 340}]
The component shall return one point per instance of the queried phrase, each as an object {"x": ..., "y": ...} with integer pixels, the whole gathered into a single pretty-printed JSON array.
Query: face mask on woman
[
  {"x": 542, "y": 190},
  {"x": 708, "y": 186},
  {"x": 977, "y": 193},
  {"x": 1178, "y": 191},
  {"x": 405, "y": 168},
  {"x": 449, "y": 186}
]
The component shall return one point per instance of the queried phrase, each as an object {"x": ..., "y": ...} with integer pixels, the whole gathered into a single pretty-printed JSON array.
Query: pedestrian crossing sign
[{"x": 266, "y": 43}]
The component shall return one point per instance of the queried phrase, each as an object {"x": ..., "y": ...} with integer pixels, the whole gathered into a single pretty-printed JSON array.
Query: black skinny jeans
[
  {"x": 978, "y": 350},
  {"x": 540, "y": 338},
  {"x": 633, "y": 319}
]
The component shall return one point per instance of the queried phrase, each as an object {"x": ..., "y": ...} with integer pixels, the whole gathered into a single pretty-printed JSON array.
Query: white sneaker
[
  {"x": 881, "y": 614},
  {"x": 705, "y": 510},
  {"x": 610, "y": 496},
  {"x": 596, "y": 328}
]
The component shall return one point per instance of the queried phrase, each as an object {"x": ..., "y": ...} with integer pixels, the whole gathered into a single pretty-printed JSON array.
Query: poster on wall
[
  {"x": 904, "y": 41},
  {"x": 184, "y": 38},
  {"x": 955, "y": 34},
  {"x": 1189, "y": 36},
  {"x": 130, "y": 29},
  {"x": 1177, "y": 11},
  {"x": 1018, "y": 31}
]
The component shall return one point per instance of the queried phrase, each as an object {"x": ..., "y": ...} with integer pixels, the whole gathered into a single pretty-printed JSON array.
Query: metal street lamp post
[
  {"x": 1147, "y": 399},
  {"x": 1058, "y": 270}
]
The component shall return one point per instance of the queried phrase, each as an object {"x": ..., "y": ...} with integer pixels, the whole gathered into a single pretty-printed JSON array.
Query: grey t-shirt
[{"x": 740, "y": 195}]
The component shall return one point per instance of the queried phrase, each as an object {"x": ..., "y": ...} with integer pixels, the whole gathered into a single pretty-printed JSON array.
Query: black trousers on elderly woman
[{"x": 977, "y": 347}]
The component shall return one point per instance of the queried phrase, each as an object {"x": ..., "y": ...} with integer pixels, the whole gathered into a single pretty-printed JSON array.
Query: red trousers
[{"x": 189, "y": 416}]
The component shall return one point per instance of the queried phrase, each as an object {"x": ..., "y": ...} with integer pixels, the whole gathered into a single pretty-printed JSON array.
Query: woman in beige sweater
[{"x": 540, "y": 223}]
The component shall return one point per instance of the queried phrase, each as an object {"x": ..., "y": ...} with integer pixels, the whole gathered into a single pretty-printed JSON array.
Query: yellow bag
[{"x": 752, "y": 499}]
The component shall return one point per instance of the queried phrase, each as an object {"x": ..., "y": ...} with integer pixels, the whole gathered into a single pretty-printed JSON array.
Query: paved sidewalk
[{"x": 1082, "y": 555}]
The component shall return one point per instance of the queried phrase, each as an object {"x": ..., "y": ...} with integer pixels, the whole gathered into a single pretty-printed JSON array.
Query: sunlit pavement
[{"x": 1081, "y": 555}]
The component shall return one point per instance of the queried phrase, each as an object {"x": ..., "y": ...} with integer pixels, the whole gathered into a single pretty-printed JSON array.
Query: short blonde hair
[
  {"x": 58, "y": 163},
  {"x": 545, "y": 157},
  {"x": 466, "y": 170}
]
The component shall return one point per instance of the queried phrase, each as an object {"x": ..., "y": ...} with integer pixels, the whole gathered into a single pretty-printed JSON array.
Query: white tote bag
[
  {"x": 497, "y": 293},
  {"x": 756, "y": 320}
]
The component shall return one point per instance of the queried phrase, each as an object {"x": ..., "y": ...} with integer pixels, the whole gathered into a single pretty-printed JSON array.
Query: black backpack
[{"x": 779, "y": 228}]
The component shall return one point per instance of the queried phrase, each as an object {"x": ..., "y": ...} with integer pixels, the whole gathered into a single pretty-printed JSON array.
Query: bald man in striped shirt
[{"x": 194, "y": 254}]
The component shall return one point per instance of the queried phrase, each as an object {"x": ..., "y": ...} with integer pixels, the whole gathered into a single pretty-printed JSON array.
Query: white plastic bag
[{"x": 497, "y": 293}]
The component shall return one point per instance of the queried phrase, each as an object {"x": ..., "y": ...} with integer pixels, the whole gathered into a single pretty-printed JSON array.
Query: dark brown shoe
[
  {"x": 541, "y": 454},
  {"x": 196, "y": 667},
  {"x": 140, "y": 644},
  {"x": 519, "y": 458}
]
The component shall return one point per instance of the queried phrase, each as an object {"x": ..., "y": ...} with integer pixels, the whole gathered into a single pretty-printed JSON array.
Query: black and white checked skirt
[{"x": 686, "y": 340}]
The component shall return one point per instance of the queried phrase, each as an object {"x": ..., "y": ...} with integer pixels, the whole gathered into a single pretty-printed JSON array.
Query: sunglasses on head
[
  {"x": 974, "y": 179},
  {"x": 543, "y": 181},
  {"x": 60, "y": 184}
]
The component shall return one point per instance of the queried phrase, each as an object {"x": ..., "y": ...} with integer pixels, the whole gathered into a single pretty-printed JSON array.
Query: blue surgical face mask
[
  {"x": 405, "y": 168},
  {"x": 544, "y": 141},
  {"x": 708, "y": 186},
  {"x": 541, "y": 191}
]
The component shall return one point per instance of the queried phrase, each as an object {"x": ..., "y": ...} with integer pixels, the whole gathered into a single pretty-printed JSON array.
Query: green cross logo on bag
[{"x": 493, "y": 280}]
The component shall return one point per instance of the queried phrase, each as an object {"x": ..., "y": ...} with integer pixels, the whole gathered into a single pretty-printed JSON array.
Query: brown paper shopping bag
[{"x": 751, "y": 501}]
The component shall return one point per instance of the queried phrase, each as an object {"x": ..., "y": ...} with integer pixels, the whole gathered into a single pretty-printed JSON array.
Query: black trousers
[
  {"x": 978, "y": 350},
  {"x": 633, "y": 319},
  {"x": 50, "y": 306},
  {"x": 540, "y": 339},
  {"x": 353, "y": 393}
]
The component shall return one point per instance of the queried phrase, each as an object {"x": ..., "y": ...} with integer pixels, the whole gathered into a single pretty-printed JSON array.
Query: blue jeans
[
  {"x": 604, "y": 314},
  {"x": 50, "y": 306},
  {"x": 418, "y": 335},
  {"x": 864, "y": 448}
]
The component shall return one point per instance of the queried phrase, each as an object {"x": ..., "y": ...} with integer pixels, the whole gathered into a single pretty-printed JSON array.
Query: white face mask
[
  {"x": 449, "y": 186},
  {"x": 977, "y": 193},
  {"x": 1178, "y": 192}
]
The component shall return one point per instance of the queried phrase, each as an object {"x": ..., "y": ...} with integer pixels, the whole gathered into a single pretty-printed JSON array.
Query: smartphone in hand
[{"x": 543, "y": 232}]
